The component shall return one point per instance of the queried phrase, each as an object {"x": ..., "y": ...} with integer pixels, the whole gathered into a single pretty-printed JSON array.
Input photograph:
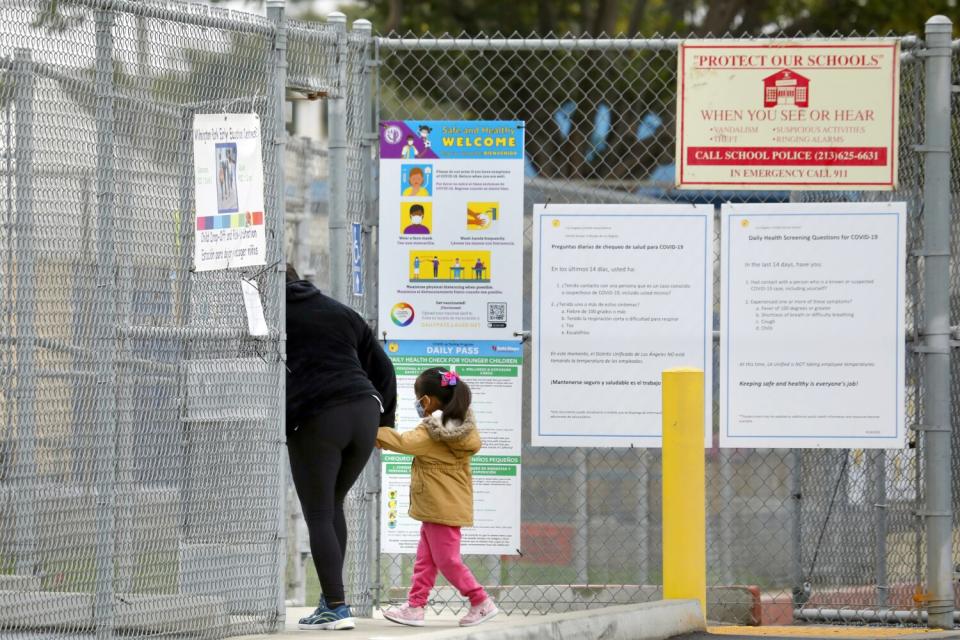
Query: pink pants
[{"x": 439, "y": 550}]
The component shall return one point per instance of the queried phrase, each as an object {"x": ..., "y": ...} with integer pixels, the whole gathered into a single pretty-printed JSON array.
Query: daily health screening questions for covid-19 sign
[
  {"x": 620, "y": 293},
  {"x": 788, "y": 114},
  {"x": 451, "y": 229},
  {"x": 812, "y": 351}
]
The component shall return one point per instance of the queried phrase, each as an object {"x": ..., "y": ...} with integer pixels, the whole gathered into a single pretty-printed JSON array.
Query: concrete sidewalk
[
  {"x": 648, "y": 621},
  {"x": 819, "y": 632}
]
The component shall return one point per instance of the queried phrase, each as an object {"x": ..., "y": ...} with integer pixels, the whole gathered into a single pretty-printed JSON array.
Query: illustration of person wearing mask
[
  {"x": 424, "y": 138},
  {"x": 416, "y": 226}
]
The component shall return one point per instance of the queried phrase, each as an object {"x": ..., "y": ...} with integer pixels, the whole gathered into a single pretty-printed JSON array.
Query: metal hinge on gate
[
  {"x": 924, "y": 253},
  {"x": 932, "y": 428},
  {"x": 932, "y": 53},
  {"x": 922, "y": 348},
  {"x": 925, "y": 148},
  {"x": 373, "y": 64},
  {"x": 933, "y": 514}
]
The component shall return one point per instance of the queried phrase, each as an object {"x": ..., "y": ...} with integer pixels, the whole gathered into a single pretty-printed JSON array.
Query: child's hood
[{"x": 453, "y": 430}]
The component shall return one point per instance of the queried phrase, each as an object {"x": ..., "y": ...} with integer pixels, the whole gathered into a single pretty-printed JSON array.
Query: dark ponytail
[
  {"x": 454, "y": 397},
  {"x": 292, "y": 275}
]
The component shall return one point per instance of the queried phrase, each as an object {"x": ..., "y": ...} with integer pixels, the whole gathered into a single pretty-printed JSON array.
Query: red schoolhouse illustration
[{"x": 786, "y": 87}]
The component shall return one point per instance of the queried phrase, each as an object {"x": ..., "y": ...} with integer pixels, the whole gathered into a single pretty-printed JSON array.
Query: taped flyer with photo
[{"x": 230, "y": 225}]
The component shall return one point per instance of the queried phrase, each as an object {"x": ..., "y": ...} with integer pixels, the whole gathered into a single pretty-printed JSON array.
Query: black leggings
[{"x": 327, "y": 455}]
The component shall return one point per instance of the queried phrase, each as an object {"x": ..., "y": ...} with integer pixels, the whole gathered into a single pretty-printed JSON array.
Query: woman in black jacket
[{"x": 341, "y": 386}]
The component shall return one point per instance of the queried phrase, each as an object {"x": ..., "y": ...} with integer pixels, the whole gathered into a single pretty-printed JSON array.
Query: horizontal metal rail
[
  {"x": 528, "y": 44},
  {"x": 200, "y": 15},
  {"x": 193, "y": 333},
  {"x": 568, "y": 44},
  {"x": 886, "y": 616}
]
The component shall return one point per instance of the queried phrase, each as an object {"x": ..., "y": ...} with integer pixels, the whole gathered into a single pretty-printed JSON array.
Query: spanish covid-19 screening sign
[
  {"x": 451, "y": 229},
  {"x": 788, "y": 114}
]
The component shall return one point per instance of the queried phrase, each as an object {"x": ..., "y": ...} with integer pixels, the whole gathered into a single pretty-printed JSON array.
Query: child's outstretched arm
[{"x": 416, "y": 442}]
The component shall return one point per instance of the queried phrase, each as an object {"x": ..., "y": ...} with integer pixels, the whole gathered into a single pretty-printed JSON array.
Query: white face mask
[
  {"x": 420, "y": 410},
  {"x": 416, "y": 219}
]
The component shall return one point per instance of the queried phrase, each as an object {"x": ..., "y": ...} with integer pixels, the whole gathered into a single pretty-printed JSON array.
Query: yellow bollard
[{"x": 684, "y": 507}]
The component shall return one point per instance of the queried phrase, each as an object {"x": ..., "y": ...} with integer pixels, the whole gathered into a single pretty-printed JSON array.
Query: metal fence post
[
  {"x": 368, "y": 159},
  {"x": 126, "y": 446},
  {"x": 6, "y": 275},
  {"x": 364, "y": 29},
  {"x": 25, "y": 231},
  {"x": 725, "y": 517},
  {"x": 936, "y": 330},
  {"x": 579, "y": 464},
  {"x": 337, "y": 193},
  {"x": 643, "y": 516},
  {"x": 105, "y": 470},
  {"x": 878, "y": 477},
  {"x": 276, "y": 290},
  {"x": 796, "y": 529},
  {"x": 299, "y": 227},
  {"x": 183, "y": 308}
]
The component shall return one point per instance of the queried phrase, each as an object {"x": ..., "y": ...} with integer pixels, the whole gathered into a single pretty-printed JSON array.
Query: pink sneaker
[
  {"x": 405, "y": 614},
  {"x": 479, "y": 614}
]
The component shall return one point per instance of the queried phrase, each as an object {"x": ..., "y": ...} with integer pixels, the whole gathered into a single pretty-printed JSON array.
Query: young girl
[{"x": 441, "y": 493}]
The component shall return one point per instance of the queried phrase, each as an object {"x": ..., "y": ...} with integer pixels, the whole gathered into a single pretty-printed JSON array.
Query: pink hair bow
[{"x": 449, "y": 379}]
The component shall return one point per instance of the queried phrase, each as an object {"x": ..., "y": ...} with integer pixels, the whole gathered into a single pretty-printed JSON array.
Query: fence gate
[
  {"x": 142, "y": 429},
  {"x": 824, "y": 535}
]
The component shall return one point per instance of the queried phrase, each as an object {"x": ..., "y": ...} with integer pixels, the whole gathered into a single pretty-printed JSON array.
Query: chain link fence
[
  {"x": 141, "y": 482},
  {"x": 822, "y": 532},
  {"x": 307, "y": 235},
  {"x": 141, "y": 440},
  {"x": 955, "y": 297}
]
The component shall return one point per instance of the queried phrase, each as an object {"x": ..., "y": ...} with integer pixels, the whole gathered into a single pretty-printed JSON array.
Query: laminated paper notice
[
  {"x": 620, "y": 293},
  {"x": 494, "y": 372},
  {"x": 812, "y": 334},
  {"x": 451, "y": 229}
]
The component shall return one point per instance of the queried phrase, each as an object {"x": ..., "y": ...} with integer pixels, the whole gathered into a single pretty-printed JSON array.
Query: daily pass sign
[{"x": 811, "y": 114}]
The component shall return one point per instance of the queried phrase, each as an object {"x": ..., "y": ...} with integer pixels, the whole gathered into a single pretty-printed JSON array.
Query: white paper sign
[
  {"x": 620, "y": 293},
  {"x": 256, "y": 322},
  {"x": 451, "y": 230},
  {"x": 493, "y": 371},
  {"x": 228, "y": 174},
  {"x": 812, "y": 351}
]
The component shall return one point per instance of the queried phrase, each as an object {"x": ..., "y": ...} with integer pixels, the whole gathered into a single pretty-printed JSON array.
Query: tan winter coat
[{"x": 441, "y": 485}]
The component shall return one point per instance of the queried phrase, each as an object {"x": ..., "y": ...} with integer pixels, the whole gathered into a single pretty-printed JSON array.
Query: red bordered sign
[{"x": 801, "y": 114}]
